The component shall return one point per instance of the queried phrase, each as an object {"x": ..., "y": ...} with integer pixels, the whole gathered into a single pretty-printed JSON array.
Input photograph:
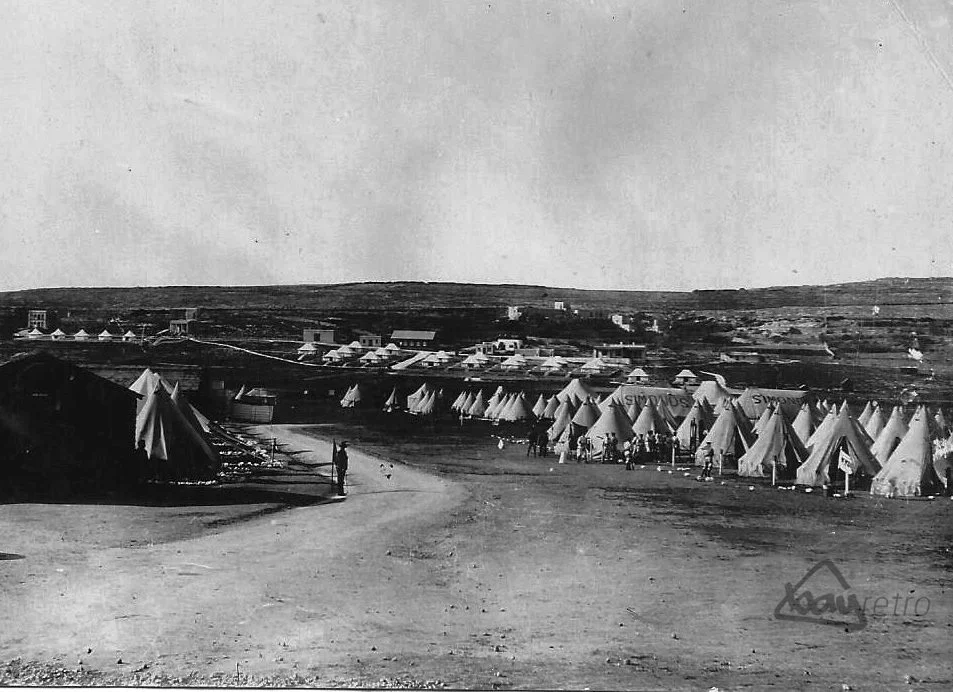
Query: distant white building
[
  {"x": 562, "y": 305},
  {"x": 513, "y": 313}
]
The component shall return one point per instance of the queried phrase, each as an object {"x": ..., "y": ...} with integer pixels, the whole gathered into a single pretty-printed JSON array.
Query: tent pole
[{"x": 846, "y": 483}]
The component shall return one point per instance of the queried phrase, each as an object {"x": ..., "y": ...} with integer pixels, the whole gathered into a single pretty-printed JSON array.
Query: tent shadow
[
  {"x": 11, "y": 556},
  {"x": 287, "y": 492}
]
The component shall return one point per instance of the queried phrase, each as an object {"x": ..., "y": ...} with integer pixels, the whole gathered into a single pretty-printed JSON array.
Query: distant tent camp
[
  {"x": 35, "y": 333},
  {"x": 777, "y": 447},
  {"x": 887, "y": 440},
  {"x": 803, "y": 424},
  {"x": 613, "y": 420},
  {"x": 393, "y": 402},
  {"x": 730, "y": 437},
  {"x": 909, "y": 471},
  {"x": 843, "y": 434},
  {"x": 468, "y": 398},
  {"x": 177, "y": 450},
  {"x": 502, "y": 403},
  {"x": 81, "y": 335},
  {"x": 587, "y": 414},
  {"x": 458, "y": 402},
  {"x": 352, "y": 397},
  {"x": 875, "y": 423},
  {"x": 59, "y": 334},
  {"x": 128, "y": 336},
  {"x": 414, "y": 399},
  {"x": 562, "y": 420},
  {"x": 105, "y": 335},
  {"x": 540, "y": 406},
  {"x": 426, "y": 406},
  {"x": 696, "y": 424},
  {"x": 549, "y": 413},
  {"x": 477, "y": 408},
  {"x": 517, "y": 411}
]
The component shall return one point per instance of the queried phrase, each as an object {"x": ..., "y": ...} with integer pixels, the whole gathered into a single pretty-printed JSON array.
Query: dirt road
[{"x": 491, "y": 569}]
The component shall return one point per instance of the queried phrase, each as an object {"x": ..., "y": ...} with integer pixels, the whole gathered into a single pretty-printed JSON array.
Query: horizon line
[{"x": 473, "y": 283}]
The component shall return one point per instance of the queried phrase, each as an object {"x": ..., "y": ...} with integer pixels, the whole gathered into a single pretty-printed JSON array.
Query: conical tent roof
[
  {"x": 821, "y": 429},
  {"x": 563, "y": 417},
  {"x": 392, "y": 401},
  {"x": 699, "y": 419},
  {"x": 477, "y": 407},
  {"x": 613, "y": 420},
  {"x": 170, "y": 440},
  {"x": 467, "y": 402},
  {"x": 843, "y": 432},
  {"x": 458, "y": 402},
  {"x": 730, "y": 435},
  {"x": 494, "y": 403},
  {"x": 576, "y": 389},
  {"x": 587, "y": 414},
  {"x": 803, "y": 424},
  {"x": 633, "y": 410},
  {"x": 81, "y": 334},
  {"x": 893, "y": 431},
  {"x": 195, "y": 419},
  {"x": 865, "y": 414},
  {"x": 352, "y": 398},
  {"x": 414, "y": 399},
  {"x": 649, "y": 420},
  {"x": 502, "y": 403},
  {"x": 611, "y": 400},
  {"x": 518, "y": 410},
  {"x": 875, "y": 423},
  {"x": 909, "y": 471},
  {"x": 146, "y": 382},
  {"x": 551, "y": 406},
  {"x": 539, "y": 406},
  {"x": 777, "y": 446},
  {"x": 763, "y": 420},
  {"x": 427, "y": 406}
]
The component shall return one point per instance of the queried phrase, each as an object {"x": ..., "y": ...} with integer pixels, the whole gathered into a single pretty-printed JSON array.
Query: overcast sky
[{"x": 639, "y": 144}]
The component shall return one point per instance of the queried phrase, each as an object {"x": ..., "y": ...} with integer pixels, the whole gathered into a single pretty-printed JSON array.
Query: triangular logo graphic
[{"x": 800, "y": 604}]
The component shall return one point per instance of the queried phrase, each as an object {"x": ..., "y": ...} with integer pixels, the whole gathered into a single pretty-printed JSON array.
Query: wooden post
[
  {"x": 774, "y": 472},
  {"x": 846, "y": 483}
]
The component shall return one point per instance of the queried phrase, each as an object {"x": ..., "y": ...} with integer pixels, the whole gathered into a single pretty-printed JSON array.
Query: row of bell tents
[{"x": 790, "y": 438}]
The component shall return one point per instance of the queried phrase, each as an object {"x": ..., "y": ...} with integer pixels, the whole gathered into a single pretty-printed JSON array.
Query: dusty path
[
  {"x": 498, "y": 570},
  {"x": 259, "y": 594}
]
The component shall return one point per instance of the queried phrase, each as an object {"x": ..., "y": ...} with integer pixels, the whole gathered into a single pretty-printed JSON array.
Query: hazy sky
[{"x": 638, "y": 144}]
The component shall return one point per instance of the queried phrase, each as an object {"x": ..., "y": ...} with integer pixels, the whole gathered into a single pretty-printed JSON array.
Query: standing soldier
[{"x": 340, "y": 465}]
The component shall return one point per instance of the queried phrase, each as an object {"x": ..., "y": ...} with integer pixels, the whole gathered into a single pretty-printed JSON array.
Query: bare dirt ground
[{"x": 476, "y": 567}]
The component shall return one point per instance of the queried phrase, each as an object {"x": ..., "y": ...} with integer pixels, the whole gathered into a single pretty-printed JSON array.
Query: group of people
[
  {"x": 538, "y": 443},
  {"x": 650, "y": 448}
]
